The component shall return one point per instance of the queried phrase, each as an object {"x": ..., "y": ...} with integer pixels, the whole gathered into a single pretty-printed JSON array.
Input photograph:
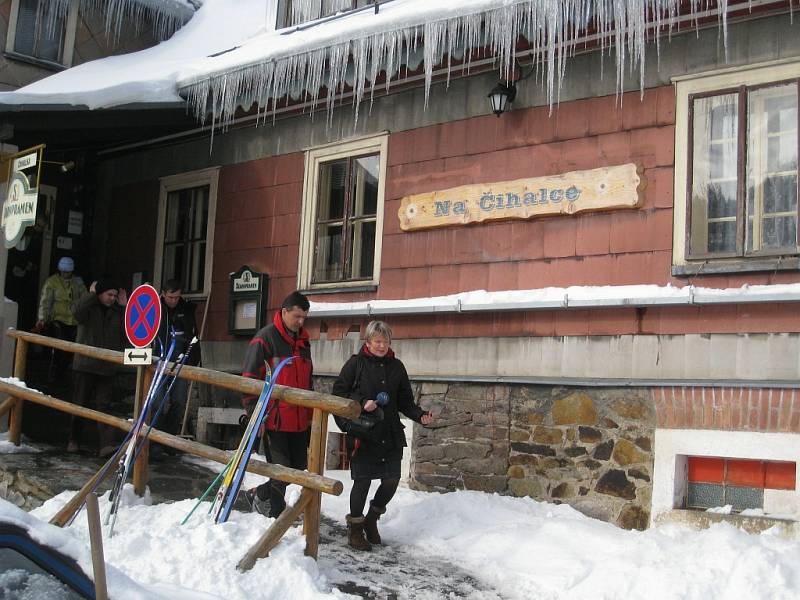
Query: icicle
[
  {"x": 164, "y": 16},
  {"x": 552, "y": 28}
]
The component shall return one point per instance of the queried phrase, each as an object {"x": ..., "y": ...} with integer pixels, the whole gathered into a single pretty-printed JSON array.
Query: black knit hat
[{"x": 103, "y": 285}]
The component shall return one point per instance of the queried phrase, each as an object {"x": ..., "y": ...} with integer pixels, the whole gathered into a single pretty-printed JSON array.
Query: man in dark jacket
[
  {"x": 100, "y": 315},
  {"x": 287, "y": 425},
  {"x": 178, "y": 320}
]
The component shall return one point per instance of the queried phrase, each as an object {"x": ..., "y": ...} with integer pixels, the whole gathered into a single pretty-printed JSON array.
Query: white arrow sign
[{"x": 138, "y": 356}]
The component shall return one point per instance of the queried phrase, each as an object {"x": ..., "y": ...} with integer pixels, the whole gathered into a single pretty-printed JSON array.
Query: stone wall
[
  {"x": 590, "y": 448},
  {"x": 587, "y": 447}
]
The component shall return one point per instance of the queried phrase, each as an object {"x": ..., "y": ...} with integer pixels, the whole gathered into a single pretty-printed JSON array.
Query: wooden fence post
[
  {"x": 144, "y": 377},
  {"x": 316, "y": 464},
  {"x": 15, "y": 418}
]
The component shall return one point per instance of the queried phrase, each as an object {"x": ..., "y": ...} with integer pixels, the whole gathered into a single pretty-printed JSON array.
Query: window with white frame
[
  {"x": 185, "y": 234},
  {"x": 39, "y": 35},
  {"x": 736, "y": 193},
  {"x": 343, "y": 214}
]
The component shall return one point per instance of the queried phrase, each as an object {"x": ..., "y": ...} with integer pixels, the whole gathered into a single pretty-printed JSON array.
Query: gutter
[{"x": 559, "y": 299}]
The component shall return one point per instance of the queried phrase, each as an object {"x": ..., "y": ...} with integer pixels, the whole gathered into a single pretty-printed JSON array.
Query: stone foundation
[{"x": 587, "y": 447}]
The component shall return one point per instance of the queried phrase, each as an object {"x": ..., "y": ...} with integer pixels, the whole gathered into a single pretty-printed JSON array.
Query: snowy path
[{"x": 392, "y": 571}]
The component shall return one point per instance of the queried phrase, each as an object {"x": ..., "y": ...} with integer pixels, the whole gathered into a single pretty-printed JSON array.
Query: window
[
  {"x": 343, "y": 214},
  {"x": 740, "y": 180},
  {"x": 185, "y": 237},
  {"x": 296, "y": 12},
  {"x": 741, "y": 483},
  {"x": 43, "y": 36}
]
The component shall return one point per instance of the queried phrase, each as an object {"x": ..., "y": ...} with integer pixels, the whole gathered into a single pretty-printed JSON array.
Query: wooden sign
[{"x": 570, "y": 193}]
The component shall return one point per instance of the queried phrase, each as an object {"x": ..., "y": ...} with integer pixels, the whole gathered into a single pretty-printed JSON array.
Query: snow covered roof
[
  {"x": 147, "y": 76},
  {"x": 230, "y": 55},
  {"x": 362, "y": 46}
]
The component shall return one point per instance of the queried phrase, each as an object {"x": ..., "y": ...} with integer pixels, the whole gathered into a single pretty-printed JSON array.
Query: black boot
[
  {"x": 371, "y": 523},
  {"x": 356, "y": 538}
]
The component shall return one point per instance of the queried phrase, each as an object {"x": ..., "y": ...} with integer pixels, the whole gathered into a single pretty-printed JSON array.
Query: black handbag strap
[{"x": 359, "y": 370}]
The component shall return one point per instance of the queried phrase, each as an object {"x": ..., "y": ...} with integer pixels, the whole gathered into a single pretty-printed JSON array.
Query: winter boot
[
  {"x": 371, "y": 523},
  {"x": 356, "y": 533}
]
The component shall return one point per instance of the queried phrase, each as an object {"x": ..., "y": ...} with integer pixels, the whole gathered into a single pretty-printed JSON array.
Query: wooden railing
[{"x": 313, "y": 481}]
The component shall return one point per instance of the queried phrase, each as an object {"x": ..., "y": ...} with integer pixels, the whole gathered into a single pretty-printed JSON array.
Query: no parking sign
[{"x": 142, "y": 316}]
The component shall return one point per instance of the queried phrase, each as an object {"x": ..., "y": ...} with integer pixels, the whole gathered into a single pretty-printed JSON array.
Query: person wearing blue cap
[
  {"x": 379, "y": 382},
  {"x": 57, "y": 302}
]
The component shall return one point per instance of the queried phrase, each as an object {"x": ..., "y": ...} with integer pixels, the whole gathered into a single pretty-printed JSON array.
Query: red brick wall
[
  {"x": 258, "y": 223},
  {"x": 734, "y": 409}
]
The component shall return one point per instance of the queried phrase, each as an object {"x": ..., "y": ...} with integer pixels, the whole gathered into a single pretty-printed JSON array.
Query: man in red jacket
[{"x": 287, "y": 425}]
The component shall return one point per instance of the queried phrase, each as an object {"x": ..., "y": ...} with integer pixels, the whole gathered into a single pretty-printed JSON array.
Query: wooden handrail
[
  {"x": 310, "y": 480},
  {"x": 313, "y": 481},
  {"x": 327, "y": 402}
]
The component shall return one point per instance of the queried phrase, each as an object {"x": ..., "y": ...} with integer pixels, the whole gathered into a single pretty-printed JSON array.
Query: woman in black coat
[{"x": 378, "y": 381}]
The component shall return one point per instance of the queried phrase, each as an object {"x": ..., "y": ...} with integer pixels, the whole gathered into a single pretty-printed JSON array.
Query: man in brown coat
[{"x": 100, "y": 316}]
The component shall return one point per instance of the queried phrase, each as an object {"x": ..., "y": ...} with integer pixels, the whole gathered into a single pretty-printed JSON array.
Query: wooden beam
[
  {"x": 274, "y": 534},
  {"x": 15, "y": 418},
  {"x": 327, "y": 402},
  {"x": 63, "y": 516},
  {"x": 316, "y": 464},
  {"x": 309, "y": 480},
  {"x": 7, "y": 405}
]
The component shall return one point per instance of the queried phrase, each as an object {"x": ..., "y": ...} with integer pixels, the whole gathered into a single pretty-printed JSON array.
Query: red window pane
[
  {"x": 706, "y": 469},
  {"x": 745, "y": 472},
  {"x": 781, "y": 475}
]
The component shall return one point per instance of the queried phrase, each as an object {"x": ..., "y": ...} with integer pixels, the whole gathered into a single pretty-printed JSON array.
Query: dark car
[{"x": 31, "y": 569}]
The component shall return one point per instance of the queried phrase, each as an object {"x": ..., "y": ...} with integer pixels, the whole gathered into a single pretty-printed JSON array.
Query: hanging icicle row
[
  {"x": 164, "y": 16},
  {"x": 554, "y": 29}
]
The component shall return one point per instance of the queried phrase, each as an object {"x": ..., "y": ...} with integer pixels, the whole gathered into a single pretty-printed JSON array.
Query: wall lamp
[
  {"x": 64, "y": 167},
  {"x": 503, "y": 94}
]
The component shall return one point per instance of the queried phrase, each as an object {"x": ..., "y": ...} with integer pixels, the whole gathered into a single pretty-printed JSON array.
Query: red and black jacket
[{"x": 270, "y": 345}]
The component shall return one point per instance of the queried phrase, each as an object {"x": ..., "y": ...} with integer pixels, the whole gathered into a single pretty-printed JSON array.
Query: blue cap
[
  {"x": 382, "y": 399},
  {"x": 66, "y": 265}
]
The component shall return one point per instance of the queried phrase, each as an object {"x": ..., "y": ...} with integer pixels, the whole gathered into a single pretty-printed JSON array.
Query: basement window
[{"x": 716, "y": 481}]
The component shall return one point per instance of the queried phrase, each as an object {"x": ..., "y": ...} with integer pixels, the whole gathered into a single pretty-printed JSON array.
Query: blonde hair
[{"x": 378, "y": 328}]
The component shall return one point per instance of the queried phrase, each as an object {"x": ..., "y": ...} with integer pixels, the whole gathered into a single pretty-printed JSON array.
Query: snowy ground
[{"x": 459, "y": 545}]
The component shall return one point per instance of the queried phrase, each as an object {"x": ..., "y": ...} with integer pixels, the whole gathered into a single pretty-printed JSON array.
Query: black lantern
[{"x": 501, "y": 96}]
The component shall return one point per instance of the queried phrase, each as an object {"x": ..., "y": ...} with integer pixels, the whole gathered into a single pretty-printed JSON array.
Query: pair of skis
[
  {"x": 134, "y": 444},
  {"x": 235, "y": 470}
]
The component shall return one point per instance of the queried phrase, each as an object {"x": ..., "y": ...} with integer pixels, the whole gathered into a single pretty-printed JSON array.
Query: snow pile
[{"x": 522, "y": 548}]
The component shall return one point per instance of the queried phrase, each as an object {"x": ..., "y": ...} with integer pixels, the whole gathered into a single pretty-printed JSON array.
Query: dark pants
[
  {"x": 92, "y": 391},
  {"x": 61, "y": 361},
  {"x": 358, "y": 495},
  {"x": 172, "y": 414},
  {"x": 290, "y": 449}
]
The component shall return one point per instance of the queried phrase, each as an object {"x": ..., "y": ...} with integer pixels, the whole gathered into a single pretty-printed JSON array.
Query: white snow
[
  {"x": 255, "y": 63},
  {"x": 148, "y": 75},
  {"x": 521, "y": 548},
  {"x": 7, "y": 447},
  {"x": 572, "y": 296}
]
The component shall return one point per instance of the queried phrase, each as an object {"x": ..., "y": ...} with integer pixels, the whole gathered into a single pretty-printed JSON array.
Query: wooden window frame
[
  {"x": 67, "y": 50},
  {"x": 172, "y": 183},
  {"x": 688, "y": 89},
  {"x": 315, "y": 158}
]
